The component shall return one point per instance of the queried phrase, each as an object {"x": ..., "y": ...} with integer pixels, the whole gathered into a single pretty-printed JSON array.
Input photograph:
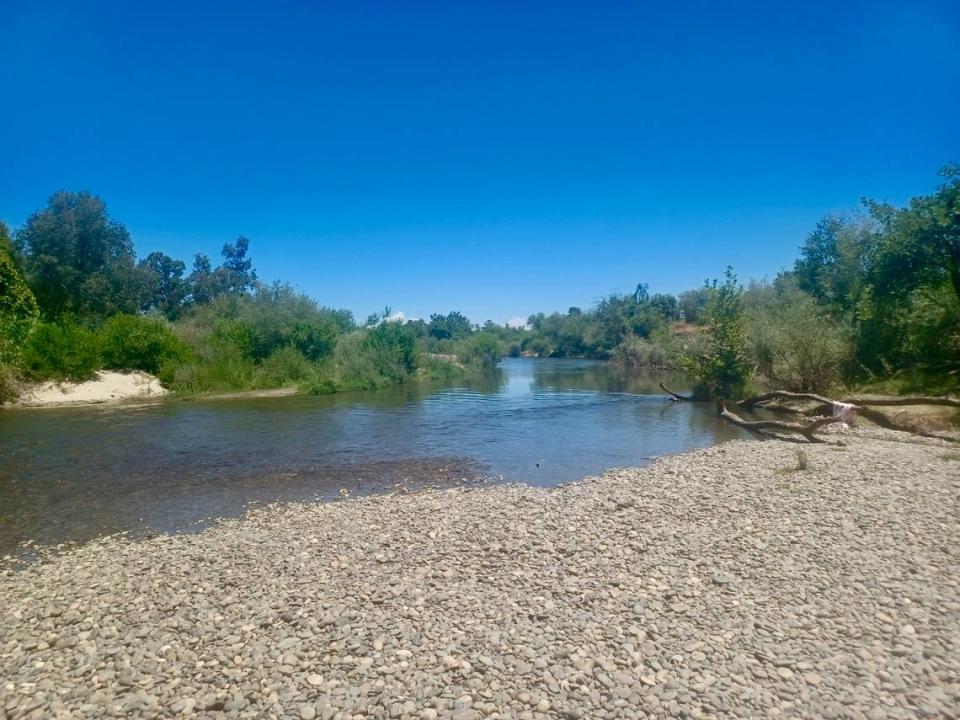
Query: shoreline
[{"x": 715, "y": 582}]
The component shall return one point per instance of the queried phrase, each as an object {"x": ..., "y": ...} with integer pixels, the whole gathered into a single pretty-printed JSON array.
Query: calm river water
[{"x": 75, "y": 473}]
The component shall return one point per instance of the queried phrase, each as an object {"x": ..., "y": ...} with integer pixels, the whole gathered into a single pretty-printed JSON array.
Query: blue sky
[{"x": 495, "y": 158}]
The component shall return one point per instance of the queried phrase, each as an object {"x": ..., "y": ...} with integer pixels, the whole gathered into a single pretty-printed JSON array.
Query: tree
[
  {"x": 693, "y": 303},
  {"x": 453, "y": 326},
  {"x": 167, "y": 288},
  {"x": 666, "y": 305},
  {"x": 18, "y": 308},
  {"x": 483, "y": 349},
  {"x": 235, "y": 276},
  {"x": 835, "y": 260},
  {"x": 920, "y": 246},
  {"x": 721, "y": 369},
  {"x": 78, "y": 260},
  {"x": 238, "y": 268}
]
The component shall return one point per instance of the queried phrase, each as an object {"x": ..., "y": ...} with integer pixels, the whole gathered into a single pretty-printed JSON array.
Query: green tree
[
  {"x": 78, "y": 260},
  {"x": 64, "y": 350},
  {"x": 721, "y": 368},
  {"x": 693, "y": 304},
  {"x": 390, "y": 346},
  {"x": 920, "y": 246},
  {"x": 166, "y": 287},
  {"x": 483, "y": 349},
  {"x": 130, "y": 342},
  {"x": 453, "y": 326},
  {"x": 835, "y": 261},
  {"x": 235, "y": 276},
  {"x": 18, "y": 308}
]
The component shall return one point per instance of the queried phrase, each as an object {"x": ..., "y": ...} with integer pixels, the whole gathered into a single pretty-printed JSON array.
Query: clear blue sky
[{"x": 496, "y": 158}]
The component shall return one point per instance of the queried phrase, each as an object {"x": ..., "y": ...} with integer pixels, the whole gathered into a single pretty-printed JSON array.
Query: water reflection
[{"x": 75, "y": 473}]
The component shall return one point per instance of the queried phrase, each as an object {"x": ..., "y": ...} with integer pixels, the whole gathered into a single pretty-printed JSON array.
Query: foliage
[
  {"x": 453, "y": 326},
  {"x": 874, "y": 297},
  {"x": 9, "y": 384},
  {"x": 166, "y": 289},
  {"x": 834, "y": 261},
  {"x": 598, "y": 332},
  {"x": 64, "y": 350},
  {"x": 235, "y": 276},
  {"x": 391, "y": 347},
  {"x": 721, "y": 369},
  {"x": 920, "y": 245},
  {"x": 130, "y": 342},
  {"x": 78, "y": 260},
  {"x": 637, "y": 352},
  {"x": 243, "y": 340},
  {"x": 692, "y": 304},
  {"x": 795, "y": 344},
  {"x": 285, "y": 367},
  {"x": 483, "y": 350},
  {"x": 18, "y": 308}
]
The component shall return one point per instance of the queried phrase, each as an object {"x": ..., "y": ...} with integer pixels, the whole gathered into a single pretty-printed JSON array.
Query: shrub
[
  {"x": 129, "y": 342},
  {"x": 224, "y": 372},
  {"x": 637, "y": 352},
  {"x": 9, "y": 384},
  {"x": 720, "y": 368},
  {"x": 483, "y": 350},
  {"x": 287, "y": 366},
  {"x": 390, "y": 347},
  {"x": 18, "y": 310},
  {"x": 61, "y": 351},
  {"x": 797, "y": 346}
]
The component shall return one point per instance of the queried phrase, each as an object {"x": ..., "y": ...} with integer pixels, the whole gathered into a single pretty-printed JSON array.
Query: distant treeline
[
  {"x": 873, "y": 297},
  {"x": 74, "y": 299}
]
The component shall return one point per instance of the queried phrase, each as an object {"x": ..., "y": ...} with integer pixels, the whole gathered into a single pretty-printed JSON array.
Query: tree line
[
  {"x": 75, "y": 299},
  {"x": 873, "y": 298}
]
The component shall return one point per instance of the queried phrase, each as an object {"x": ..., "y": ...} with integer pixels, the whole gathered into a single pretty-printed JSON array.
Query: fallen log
[
  {"x": 762, "y": 428},
  {"x": 783, "y": 395},
  {"x": 906, "y": 400},
  {"x": 676, "y": 397}
]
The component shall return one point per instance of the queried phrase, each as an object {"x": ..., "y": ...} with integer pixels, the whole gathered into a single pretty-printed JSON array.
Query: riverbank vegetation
[{"x": 872, "y": 301}]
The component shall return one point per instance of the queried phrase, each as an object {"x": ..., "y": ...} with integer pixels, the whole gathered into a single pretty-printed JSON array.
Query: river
[{"x": 70, "y": 474}]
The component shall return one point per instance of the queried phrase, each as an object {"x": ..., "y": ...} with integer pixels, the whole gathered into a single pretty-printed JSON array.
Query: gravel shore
[{"x": 719, "y": 583}]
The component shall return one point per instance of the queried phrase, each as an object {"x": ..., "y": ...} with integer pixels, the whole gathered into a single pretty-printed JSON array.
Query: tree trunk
[{"x": 761, "y": 428}]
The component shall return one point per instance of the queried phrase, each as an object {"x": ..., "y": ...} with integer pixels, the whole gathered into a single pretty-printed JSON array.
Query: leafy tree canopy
[{"x": 78, "y": 260}]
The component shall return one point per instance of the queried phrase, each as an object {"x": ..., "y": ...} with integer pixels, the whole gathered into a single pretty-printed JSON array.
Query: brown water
[{"x": 74, "y": 473}]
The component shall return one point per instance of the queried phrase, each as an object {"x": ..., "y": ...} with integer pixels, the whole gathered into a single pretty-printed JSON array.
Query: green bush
[
  {"x": 61, "y": 351},
  {"x": 797, "y": 346},
  {"x": 390, "y": 348},
  {"x": 9, "y": 384},
  {"x": 287, "y": 366},
  {"x": 129, "y": 342},
  {"x": 483, "y": 350},
  {"x": 720, "y": 368},
  {"x": 223, "y": 372},
  {"x": 18, "y": 309},
  {"x": 637, "y": 352}
]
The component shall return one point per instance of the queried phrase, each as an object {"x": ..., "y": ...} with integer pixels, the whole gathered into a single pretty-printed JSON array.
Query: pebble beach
[{"x": 726, "y": 582}]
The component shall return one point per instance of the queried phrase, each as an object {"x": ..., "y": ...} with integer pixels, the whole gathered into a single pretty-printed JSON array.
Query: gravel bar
[{"x": 719, "y": 583}]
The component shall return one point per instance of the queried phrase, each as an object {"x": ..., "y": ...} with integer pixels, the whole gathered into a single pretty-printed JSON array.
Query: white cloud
[{"x": 517, "y": 322}]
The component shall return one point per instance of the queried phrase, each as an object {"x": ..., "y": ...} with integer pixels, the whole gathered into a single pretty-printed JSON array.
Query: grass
[{"x": 802, "y": 463}]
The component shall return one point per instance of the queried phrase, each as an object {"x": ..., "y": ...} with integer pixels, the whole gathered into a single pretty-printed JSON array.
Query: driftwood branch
[
  {"x": 675, "y": 396},
  {"x": 943, "y": 400},
  {"x": 762, "y": 428},
  {"x": 908, "y": 400},
  {"x": 783, "y": 395}
]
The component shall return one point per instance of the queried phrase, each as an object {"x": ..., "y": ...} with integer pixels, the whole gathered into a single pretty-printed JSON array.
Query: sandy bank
[
  {"x": 106, "y": 388},
  {"x": 719, "y": 583}
]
